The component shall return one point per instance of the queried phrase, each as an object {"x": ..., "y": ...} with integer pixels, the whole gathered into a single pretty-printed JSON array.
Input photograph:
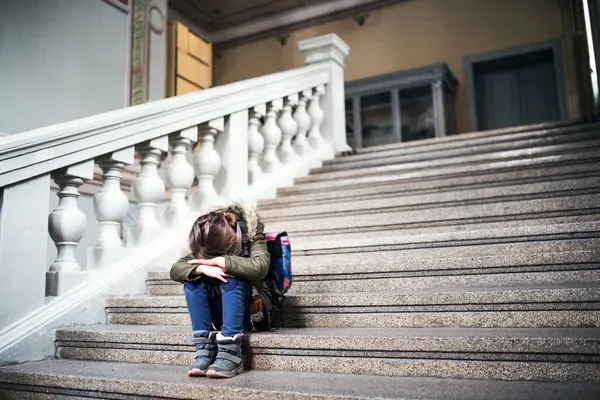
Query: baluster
[
  {"x": 317, "y": 115},
  {"x": 179, "y": 175},
  {"x": 149, "y": 189},
  {"x": 289, "y": 128},
  {"x": 303, "y": 120},
  {"x": 110, "y": 206},
  {"x": 272, "y": 135},
  {"x": 66, "y": 225},
  {"x": 256, "y": 143},
  {"x": 207, "y": 163}
]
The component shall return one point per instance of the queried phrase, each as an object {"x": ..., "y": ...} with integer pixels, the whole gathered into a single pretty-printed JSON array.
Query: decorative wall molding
[
  {"x": 123, "y": 5},
  {"x": 142, "y": 25}
]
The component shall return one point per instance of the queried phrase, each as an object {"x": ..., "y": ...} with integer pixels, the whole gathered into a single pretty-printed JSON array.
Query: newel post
[
  {"x": 23, "y": 242},
  {"x": 332, "y": 51}
]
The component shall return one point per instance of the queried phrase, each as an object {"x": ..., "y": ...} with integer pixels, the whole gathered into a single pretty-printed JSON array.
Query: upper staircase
[{"x": 465, "y": 267}]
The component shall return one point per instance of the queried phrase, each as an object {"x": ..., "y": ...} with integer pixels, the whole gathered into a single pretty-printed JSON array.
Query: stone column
[
  {"x": 66, "y": 226},
  {"x": 289, "y": 128},
  {"x": 207, "y": 164},
  {"x": 148, "y": 190},
  {"x": 179, "y": 175},
  {"x": 303, "y": 120},
  {"x": 110, "y": 206},
  {"x": 272, "y": 134},
  {"x": 315, "y": 139},
  {"x": 256, "y": 144}
]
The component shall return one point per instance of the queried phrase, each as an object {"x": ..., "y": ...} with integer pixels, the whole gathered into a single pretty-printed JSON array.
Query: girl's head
[{"x": 214, "y": 235}]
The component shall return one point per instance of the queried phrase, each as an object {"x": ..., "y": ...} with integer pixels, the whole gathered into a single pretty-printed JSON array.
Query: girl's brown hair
[{"x": 214, "y": 235}]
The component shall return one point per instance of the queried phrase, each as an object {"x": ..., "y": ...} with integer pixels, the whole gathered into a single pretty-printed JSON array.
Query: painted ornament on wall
[{"x": 146, "y": 18}]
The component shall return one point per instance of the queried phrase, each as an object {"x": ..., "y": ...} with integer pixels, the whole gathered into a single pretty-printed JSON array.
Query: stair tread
[
  {"x": 512, "y": 133},
  {"x": 419, "y": 263},
  {"x": 435, "y": 332},
  {"x": 168, "y": 381},
  {"x": 548, "y": 295},
  {"x": 443, "y": 197},
  {"x": 525, "y": 286},
  {"x": 455, "y": 149},
  {"x": 458, "y": 162},
  {"x": 371, "y": 239},
  {"x": 574, "y": 161}
]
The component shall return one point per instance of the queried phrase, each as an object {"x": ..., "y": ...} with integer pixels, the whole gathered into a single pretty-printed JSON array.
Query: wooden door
[{"x": 189, "y": 61}]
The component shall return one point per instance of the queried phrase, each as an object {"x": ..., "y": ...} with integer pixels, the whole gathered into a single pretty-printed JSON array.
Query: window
[
  {"x": 376, "y": 116},
  {"x": 416, "y": 114}
]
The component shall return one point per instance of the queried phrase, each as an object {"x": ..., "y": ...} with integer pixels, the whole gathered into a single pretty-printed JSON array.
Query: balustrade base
[
  {"x": 104, "y": 258},
  {"x": 59, "y": 283}
]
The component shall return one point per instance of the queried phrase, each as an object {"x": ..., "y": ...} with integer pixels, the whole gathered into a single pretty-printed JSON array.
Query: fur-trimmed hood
[{"x": 248, "y": 216}]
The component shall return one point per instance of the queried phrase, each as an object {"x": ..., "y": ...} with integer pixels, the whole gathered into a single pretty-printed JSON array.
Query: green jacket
[{"x": 253, "y": 265}]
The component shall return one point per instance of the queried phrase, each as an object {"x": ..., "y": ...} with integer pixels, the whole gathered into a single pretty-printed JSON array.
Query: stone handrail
[{"x": 251, "y": 137}]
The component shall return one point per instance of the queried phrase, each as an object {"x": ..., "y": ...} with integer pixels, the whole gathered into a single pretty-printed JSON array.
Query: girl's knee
[
  {"x": 232, "y": 283},
  {"x": 192, "y": 286}
]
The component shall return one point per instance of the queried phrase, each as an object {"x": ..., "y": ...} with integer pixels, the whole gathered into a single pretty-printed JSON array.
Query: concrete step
[
  {"x": 527, "y": 305},
  {"x": 388, "y": 189},
  {"x": 518, "y": 256},
  {"x": 525, "y": 231},
  {"x": 440, "y": 228},
  {"x": 549, "y": 259},
  {"x": 459, "y": 161},
  {"x": 347, "y": 283},
  {"x": 535, "y": 262},
  {"x": 452, "y": 149},
  {"x": 397, "y": 218},
  {"x": 481, "y": 137},
  {"x": 441, "y": 198},
  {"x": 573, "y": 163},
  {"x": 59, "y": 379},
  {"x": 510, "y": 354}
]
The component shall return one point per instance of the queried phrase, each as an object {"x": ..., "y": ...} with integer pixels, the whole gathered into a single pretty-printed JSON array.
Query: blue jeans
[{"x": 226, "y": 305}]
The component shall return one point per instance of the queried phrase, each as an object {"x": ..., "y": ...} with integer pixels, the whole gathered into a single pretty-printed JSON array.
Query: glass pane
[
  {"x": 416, "y": 113},
  {"x": 449, "y": 114},
  {"x": 376, "y": 119},
  {"x": 349, "y": 123}
]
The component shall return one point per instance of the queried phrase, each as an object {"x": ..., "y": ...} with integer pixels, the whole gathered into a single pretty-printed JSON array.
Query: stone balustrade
[{"x": 249, "y": 138}]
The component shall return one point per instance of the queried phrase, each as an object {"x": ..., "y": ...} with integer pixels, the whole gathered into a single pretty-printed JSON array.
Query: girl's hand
[
  {"x": 215, "y": 262},
  {"x": 212, "y": 272}
]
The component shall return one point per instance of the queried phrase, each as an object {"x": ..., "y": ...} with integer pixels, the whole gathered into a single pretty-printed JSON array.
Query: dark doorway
[{"x": 516, "y": 90}]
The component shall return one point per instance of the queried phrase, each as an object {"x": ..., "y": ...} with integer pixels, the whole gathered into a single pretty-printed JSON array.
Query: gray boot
[
  {"x": 229, "y": 359},
  {"x": 206, "y": 352}
]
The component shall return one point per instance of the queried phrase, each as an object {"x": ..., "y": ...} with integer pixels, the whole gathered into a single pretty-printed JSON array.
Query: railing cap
[{"x": 324, "y": 48}]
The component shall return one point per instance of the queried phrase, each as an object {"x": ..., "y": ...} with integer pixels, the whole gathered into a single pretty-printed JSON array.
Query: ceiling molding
[
  {"x": 270, "y": 24},
  {"x": 293, "y": 20},
  {"x": 266, "y": 10}
]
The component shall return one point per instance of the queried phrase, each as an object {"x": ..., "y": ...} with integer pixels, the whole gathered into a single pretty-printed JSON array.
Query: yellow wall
[{"x": 407, "y": 35}]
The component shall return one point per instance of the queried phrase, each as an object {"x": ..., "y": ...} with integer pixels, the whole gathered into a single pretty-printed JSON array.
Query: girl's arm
[
  {"x": 255, "y": 267},
  {"x": 181, "y": 271}
]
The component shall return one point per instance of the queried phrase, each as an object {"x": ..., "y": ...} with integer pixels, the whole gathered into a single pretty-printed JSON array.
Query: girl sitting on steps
[{"x": 225, "y": 288}]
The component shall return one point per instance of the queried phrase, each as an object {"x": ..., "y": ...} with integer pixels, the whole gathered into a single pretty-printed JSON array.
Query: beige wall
[{"x": 410, "y": 34}]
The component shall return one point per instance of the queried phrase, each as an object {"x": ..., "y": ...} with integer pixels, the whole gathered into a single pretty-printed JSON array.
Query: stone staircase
[{"x": 459, "y": 268}]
